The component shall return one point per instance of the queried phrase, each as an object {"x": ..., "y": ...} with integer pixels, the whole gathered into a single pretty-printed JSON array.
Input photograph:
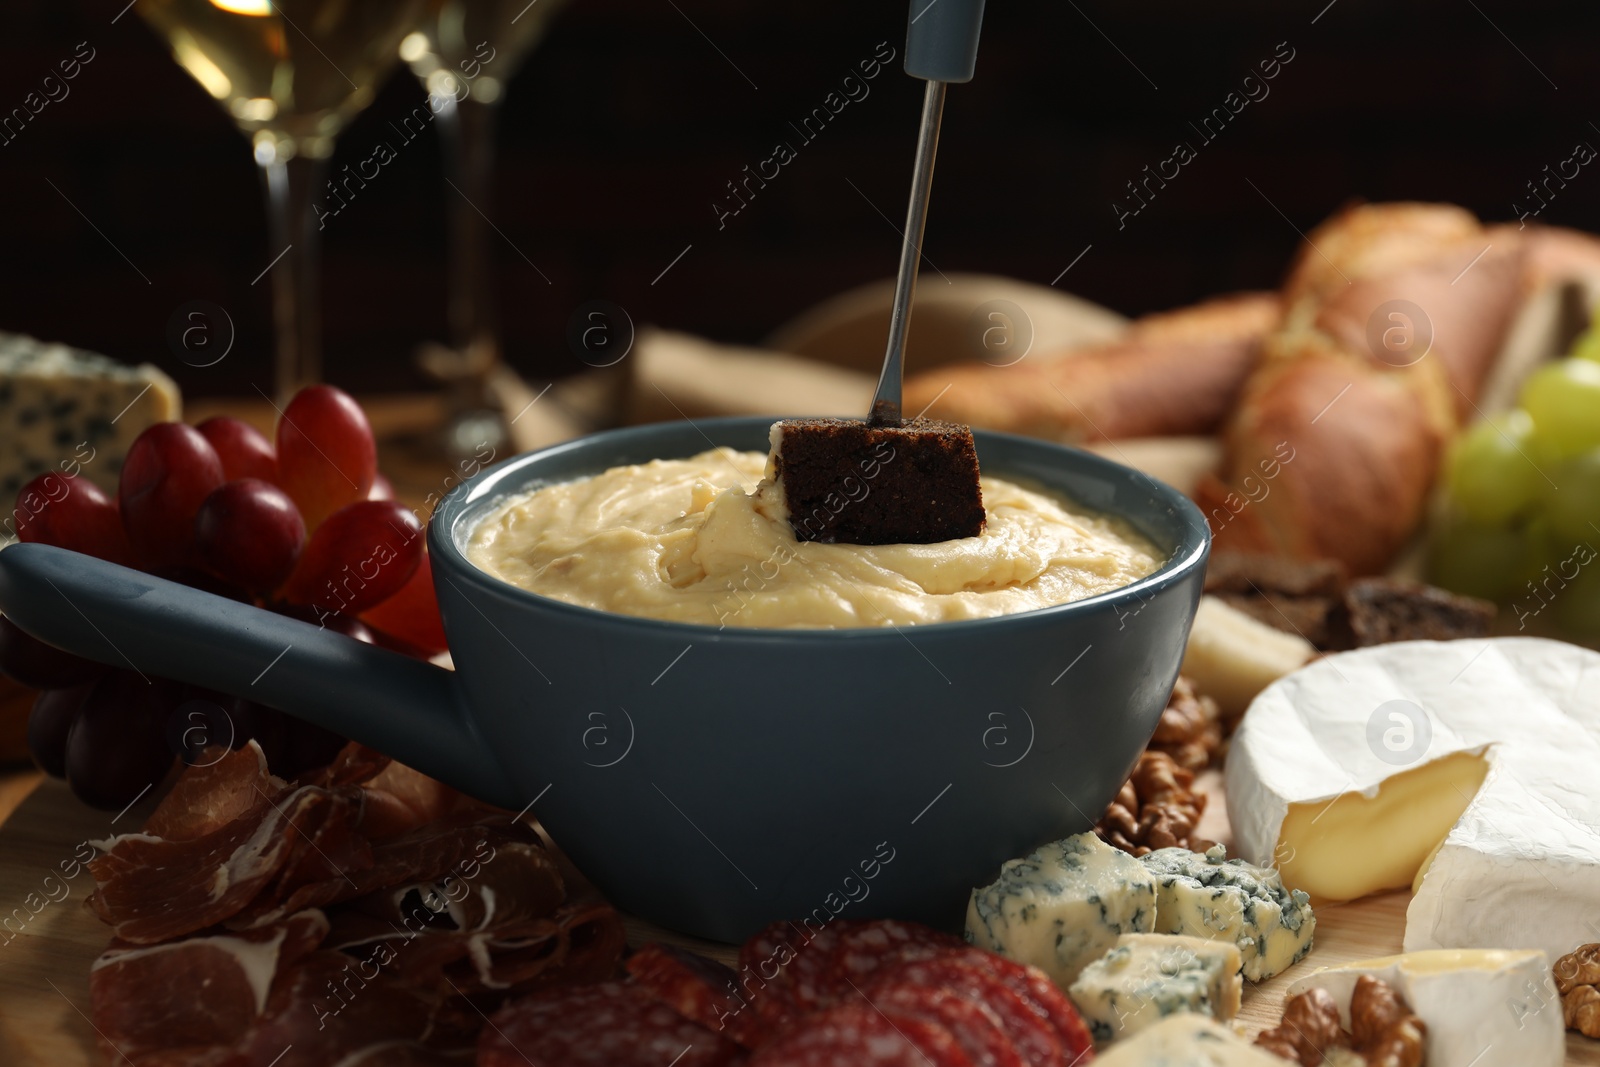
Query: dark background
[{"x": 624, "y": 125}]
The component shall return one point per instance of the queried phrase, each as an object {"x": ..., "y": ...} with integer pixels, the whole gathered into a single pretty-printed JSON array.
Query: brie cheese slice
[{"x": 1467, "y": 768}]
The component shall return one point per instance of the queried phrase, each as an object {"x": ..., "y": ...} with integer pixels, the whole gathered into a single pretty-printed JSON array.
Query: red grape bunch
[{"x": 304, "y": 526}]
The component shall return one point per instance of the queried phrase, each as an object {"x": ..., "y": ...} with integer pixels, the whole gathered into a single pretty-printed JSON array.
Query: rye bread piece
[
  {"x": 1296, "y": 596},
  {"x": 1313, "y": 599},
  {"x": 1382, "y": 610},
  {"x": 1252, "y": 572},
  {"x": 847, "y": 482}
]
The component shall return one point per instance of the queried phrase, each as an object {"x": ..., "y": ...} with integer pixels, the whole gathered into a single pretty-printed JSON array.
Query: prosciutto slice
[
  {"x": 182, "y": 1001},
  {"x": 361, "y": 916}
]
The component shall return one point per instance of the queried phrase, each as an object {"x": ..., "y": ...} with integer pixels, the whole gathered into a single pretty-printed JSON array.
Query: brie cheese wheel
[
  {"x": 1484, "y": 1007},
  {"x": 1466, "y": 768}
]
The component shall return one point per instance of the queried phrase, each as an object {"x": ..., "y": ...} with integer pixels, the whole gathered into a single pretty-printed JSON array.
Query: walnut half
[
  {"x": 1383, "y": 1026},
  {"x": 1190, "y": 730},
  {"x": 1577, "y": 976},
  {"x": 1309, "y": 1030},
  {"x": 1157, "y": 807},
  {"x": 1383, "y": 1030}
]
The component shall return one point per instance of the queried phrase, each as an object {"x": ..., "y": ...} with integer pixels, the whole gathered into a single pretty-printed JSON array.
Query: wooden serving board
[{"x": 44, "y": 966}]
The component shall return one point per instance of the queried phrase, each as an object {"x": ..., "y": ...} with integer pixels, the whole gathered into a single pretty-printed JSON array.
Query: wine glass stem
[
  {"x": 468, "y": 128},
  {"x": 292, "y": 186}
]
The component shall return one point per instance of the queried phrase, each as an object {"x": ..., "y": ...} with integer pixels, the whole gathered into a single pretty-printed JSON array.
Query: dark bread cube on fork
[{"x": 846, "y": 481}]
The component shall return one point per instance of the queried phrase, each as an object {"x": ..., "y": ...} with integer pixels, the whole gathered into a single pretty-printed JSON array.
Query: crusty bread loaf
[
  {"x": 1553, "y": 255},
  {"x": 1327, "y": 458},
  {"x": 1335, "y": 400},
  {"x": 1174, "y": 373},
  {"x": 1372, "y": 240},
  {"x": 1393, "y": 316}
]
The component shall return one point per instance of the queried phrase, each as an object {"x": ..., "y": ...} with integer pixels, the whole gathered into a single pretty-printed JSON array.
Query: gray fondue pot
[{"x": 711, "y": 780}]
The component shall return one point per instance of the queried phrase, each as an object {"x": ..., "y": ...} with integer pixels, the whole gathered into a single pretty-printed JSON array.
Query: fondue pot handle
[{"x": 402, "y": 706}]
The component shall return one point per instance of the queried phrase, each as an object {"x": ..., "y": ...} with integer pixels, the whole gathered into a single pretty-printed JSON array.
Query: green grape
[
  {"x": 1497, "y": 469},
  {"x": 1564, "y": 400},
  {"x": 1542, "y": 552},
  {"x": 1587, "y": 346},
  {"x": 1573, "y": 506},
  {"x": 1548, "y": 576},
  {"x": 1475, "y": 560},
  {"x": 1577, "y": 607}
]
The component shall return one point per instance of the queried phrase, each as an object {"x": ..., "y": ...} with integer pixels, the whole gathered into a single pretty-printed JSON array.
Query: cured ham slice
[
  {"x": 190, "y": 997},
  {"x": 222, "y": 787},
  {"x": 152, "y": 889},
  {"x": 580, "y": 941},
  {"x": 260, "y": 922},
  {"x": 455, "y": 853}
]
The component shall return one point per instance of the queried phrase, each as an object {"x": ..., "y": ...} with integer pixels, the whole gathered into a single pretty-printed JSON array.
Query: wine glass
[
  {"x": 291, "y": 73},
  {"x": 464, "y": 55}
]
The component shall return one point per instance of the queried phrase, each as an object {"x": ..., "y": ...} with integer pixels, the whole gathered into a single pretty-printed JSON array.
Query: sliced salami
[
  {"x": 866, "y": 948},
  {"x": 701, "y": 990},
  {"x": 1022, "y": 1018},
  {"x": 860, "y": 1035},
  {"x": 972, "y": 1022},
  {"x": 612, "y": 1024},
  {"x": 1058, "y": 1010},
  {"x": 784, "y": 968}
]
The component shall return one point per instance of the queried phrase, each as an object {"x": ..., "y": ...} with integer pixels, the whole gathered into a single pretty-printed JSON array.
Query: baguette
[
  {"x": 1365, "y": 420},
  {"x": 1173, "y": 374}
]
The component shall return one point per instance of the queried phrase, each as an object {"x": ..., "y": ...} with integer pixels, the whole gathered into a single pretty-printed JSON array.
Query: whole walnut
[{"x": 1577, "y": 976}]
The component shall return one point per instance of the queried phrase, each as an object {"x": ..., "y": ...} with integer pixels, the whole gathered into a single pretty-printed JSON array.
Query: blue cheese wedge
[
  {"x": 1187, "y": 1040},
  {"x": 68, "y": 410},
  {"x": 1212, "y": 896},
  {"x": 1147, "y": 977},
  {"x": 1063, "y": 906}
]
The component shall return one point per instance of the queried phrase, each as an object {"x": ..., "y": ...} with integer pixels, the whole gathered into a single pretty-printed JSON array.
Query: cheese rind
[
  {"x": 1485, "y": 1007},
  {"x": 64, "y": 409},
  {"x": 1062, "y": 906},
  {"x": 1186, "y": 1040},
  {"x": 1520, "y": 866},
  {"x": 1147, "y": 977},
  {"x": 1208, "y": 895}
]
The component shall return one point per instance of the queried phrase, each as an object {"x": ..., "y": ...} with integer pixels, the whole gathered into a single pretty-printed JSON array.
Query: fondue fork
[
  {"x": 884, "y": 480},
  {"x": 941, "y": 47}
]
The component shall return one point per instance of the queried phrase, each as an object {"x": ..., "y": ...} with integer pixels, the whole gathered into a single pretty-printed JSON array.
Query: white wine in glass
[
  {"x": 291, "y": 73},
  {"x": 465, "y": 53}
]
